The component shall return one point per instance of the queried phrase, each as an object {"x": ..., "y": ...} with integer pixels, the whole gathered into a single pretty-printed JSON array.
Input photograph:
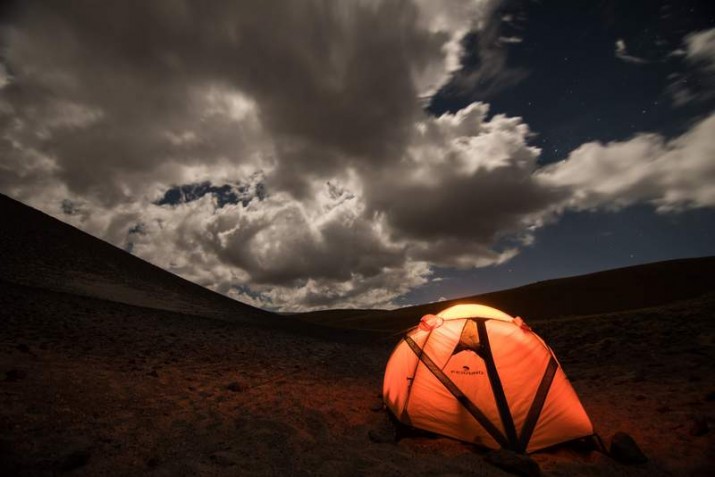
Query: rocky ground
[{"x": 93, "y": 387}]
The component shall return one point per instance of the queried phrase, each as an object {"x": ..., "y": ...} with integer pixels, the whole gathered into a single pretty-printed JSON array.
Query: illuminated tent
[{"x": 476, "y": 374}]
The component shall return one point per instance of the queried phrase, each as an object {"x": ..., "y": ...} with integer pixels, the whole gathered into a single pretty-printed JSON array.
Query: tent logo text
[{"x": 465, "y": 371}]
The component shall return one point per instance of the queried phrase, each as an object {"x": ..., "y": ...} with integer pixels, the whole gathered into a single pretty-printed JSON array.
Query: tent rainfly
[{"x": 479, "y": 375}]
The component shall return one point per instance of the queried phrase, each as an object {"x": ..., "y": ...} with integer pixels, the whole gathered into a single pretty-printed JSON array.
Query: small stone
[
  {"x": 517, "y": 464},
  {"x": 699, "y": 426},
  {"x": 236, "y": 387},
  {"x": 585, "y": 445},
  {"x": 625, "y": 450},
  {"x": 74, "y": 460},
  {"x": 15, "y": 375},
  {"x": 378, "y": 406}
]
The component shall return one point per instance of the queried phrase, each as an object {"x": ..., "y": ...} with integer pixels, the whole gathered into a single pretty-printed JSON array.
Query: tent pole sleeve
[
  {"x": 405, "y": 416},
  {"x": 458, "y": 394},
  {"x": 499, "y": 396},
  {"x": 537, "y": 405}
]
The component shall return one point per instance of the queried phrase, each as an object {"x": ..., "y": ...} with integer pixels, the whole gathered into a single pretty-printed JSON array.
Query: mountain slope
[
  {"x": 621, "y": 289},
  {"x": 39, "y": 251}
]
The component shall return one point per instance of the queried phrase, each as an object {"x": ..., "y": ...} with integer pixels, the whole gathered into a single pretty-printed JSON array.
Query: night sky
[
  {"x": 307, "y": 155},
  {"x": 575, "y": 90}
]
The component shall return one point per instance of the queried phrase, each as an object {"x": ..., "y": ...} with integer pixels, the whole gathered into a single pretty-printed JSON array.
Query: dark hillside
[
  {"x": 39, "y": 251},
  {"x": 622, "y": 289}
]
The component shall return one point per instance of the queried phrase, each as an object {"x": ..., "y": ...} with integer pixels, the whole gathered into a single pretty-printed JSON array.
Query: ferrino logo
[{"x": 467, "y": 372}]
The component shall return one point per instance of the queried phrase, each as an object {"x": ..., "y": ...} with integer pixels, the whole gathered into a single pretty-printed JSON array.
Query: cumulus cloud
[
  {"x": 293, "y": 167},
  {"x": 622, "y": 53},
  {"x": 484, "y": 52},
  {"x": 463, "y": 183},
  {"x": 700, "y": 48},
  {"x": 697, "y": 82},
  {"x": 109, "y": 106},
  {"x": 671, "y": 175}
]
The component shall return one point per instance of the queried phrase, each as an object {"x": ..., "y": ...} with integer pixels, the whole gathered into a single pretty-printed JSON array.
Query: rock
[
  {"x": 225, "y": 458},
  {"x": 73, "y": 460},
  {"x": 699, "y": 426},
  {"x": 585, "y": 445},
  {"x": 236, "y": 387},
  {"x": 517, "y": 464},
  {"x": 15, "y": 375},
  {"x": 625, "y": 450}
]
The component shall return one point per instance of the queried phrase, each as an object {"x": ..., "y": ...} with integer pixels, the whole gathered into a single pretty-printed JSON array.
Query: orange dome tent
[{"x": 479, "y": 375}]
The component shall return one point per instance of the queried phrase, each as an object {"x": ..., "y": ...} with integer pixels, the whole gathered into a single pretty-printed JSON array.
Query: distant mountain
[
  {"x": 621, "y": 289},
  {"x": 39, "y": 251}
]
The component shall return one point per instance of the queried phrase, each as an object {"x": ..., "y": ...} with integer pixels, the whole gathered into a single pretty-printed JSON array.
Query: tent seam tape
[
  {"x": 477, "y": 414},
  {"x": 532, "y": 417},
  {"x": 497, "y": 388},
  {"x": 414, "y": 375}
]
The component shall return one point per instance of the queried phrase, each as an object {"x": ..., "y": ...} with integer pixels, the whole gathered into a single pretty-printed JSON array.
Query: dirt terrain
[{"x": 94, "y": 387}]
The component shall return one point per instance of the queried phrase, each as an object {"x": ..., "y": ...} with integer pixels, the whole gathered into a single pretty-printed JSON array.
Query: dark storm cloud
[
  {"x": 470, "y": 184},
  {"x": 283, "y": 247},
  {"x": 137, "y": 66},
  {"x": 471, "y": 208},
  {"x": 101, "y": 85},
  {"x": 134, "y": 96},
  {"x": 141, "y": 122},
  {"x": 485, "y": 69}
]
